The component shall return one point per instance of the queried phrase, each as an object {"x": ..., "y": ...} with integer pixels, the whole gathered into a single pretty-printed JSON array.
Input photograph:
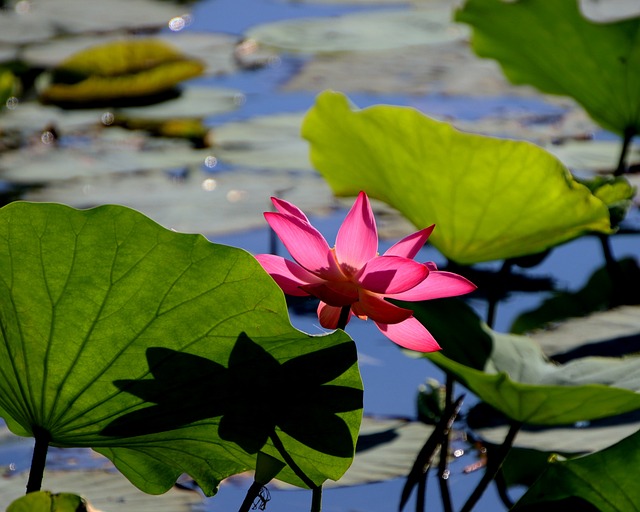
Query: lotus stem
[
  {"x": 316, "y": 501},
  {"x": 494, "y": 463},
  {"x": 629, "y": 133},
  {"x": 39, "y": 459},
  {"x": 344, "y": 317},
  {"x": 443, "y": 463},
  {"x": 250, "y": 498}
]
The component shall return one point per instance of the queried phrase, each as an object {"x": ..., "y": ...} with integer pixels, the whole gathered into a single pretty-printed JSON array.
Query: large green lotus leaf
[
  {"x": 163, "y": 351},
  {"x": 552, "y": 46},
  {"x": 519, "y": 381},
  {"x": 604, "y": 479},
  {"x": 490, "y": 198}
]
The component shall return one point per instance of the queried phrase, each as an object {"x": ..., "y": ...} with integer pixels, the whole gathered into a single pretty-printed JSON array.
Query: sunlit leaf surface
[
  {"x": 489, "y": 198},
  {"x": 164, "y": 352},
  {"x": 552, "y": 46},
  {"x": 604, "y": 479},
  {"x": 519, "y": 381}
]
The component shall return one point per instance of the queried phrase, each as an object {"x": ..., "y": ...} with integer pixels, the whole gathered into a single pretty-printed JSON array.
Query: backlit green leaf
[
  {"x": 164, "y": 352},
  {"x": 489, "y": 198},
  {"x": 604, "y": 479},
  {"x": 552, "y": 46},
  {"x": 519, "y": 381}
]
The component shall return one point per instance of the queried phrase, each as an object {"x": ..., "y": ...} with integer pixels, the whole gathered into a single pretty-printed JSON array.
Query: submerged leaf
[
  {"x": 44, "y": 501},
  {"x": 489, "y": 198},
  {"x": 552, "y": 46},
  {"x": 163, "y": 351}
]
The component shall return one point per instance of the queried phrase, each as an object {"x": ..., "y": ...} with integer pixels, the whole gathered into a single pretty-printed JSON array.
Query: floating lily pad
[
  {"x": 215, "y": 50},
  {"x": 365, "y": 31},
  {"x": 196, "y": 203},
  {"x": 603, "y": 75},
  {"x": 611, "y": 10},
  {"x": 107, "y": 491},
  {"x": 267, "y": 142},
  {"x": 114, "y": 151},
  {"x": 40, "y": 20},
  {"x": 193, "y": 102},
  {"x": 490, "y": 198},
  {"x": 119, "y": 71}
]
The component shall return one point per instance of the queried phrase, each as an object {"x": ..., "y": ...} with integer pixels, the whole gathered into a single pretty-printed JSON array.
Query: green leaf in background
[
  {"x": 44, "y": 501},
  {"x": 163, "y": 351},
  {"x": 9, "y": 86},
  {"x": 605, "y": 479},
  {"x": 551, "y": 46},
  {"x": 119, "y": 72},
  {"x": 519, "y": 381},
  {"x": 489, "y": 198},
  {"x": 616, "y": 192}
]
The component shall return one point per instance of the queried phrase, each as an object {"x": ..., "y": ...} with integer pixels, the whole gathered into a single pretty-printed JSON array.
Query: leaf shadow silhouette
[{"x": 252, "y": 397}]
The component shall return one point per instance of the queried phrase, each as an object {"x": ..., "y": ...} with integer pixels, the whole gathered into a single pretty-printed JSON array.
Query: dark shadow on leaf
[{"x": 249, "y": 399}]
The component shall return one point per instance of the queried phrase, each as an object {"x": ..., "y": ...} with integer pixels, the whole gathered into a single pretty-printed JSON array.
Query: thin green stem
[
  {"x": 316, "y": 500},
  {"x": 443, "y": 463},
  {"x": 504, "y": 271},
  {"x": 344, "y": 317},
  {"x": 494, "y": 463},
  {"x": 629, "y": 133},
  {"x": 250, "y": 498},
  {"x": 39, "y": 459}
]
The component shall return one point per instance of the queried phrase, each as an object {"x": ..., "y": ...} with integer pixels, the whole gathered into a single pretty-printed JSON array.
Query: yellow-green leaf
[{"x": 489, "y": 198}]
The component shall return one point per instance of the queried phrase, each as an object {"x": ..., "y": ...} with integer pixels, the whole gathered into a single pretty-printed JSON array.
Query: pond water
[{"x": 391, "y": 378}]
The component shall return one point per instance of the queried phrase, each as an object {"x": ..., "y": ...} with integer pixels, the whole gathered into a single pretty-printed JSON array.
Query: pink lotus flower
[{"x": 353, "y": 275}]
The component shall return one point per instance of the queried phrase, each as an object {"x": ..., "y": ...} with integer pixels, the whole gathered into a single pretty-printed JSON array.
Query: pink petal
[
  {"x": 392, "y": 274},
  {"x": 357, "y": 240},
  {"x": 289, "y": 275},
  {"x": 305, "y": 244},
  {"x": 334, "y": 294},
  {"x": 287, "y": 208},
  {"x": 410, "y": 245},
  {"x": 379, "y": 310},
  {"x": 329, "y": 316},
  {"x": 410, "y": 334},
  {"x": 439, "y": 284}
]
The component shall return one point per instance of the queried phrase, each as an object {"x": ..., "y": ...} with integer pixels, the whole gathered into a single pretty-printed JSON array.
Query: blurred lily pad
[
  {"x": 364, "y": 31},
  {"x": 38, "y": 20},
  {"x": 115, "y": 151},
  {"x": 592, "y": 155},
  {"x": 107, "y": 491},
  {"x": 266, "y": 142},
  {"x": 119, "y": 71},
  {"x": 194, "y": 102},
  {"x": 490, "y": 198},
  {"x": 197, "y": 202}
]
